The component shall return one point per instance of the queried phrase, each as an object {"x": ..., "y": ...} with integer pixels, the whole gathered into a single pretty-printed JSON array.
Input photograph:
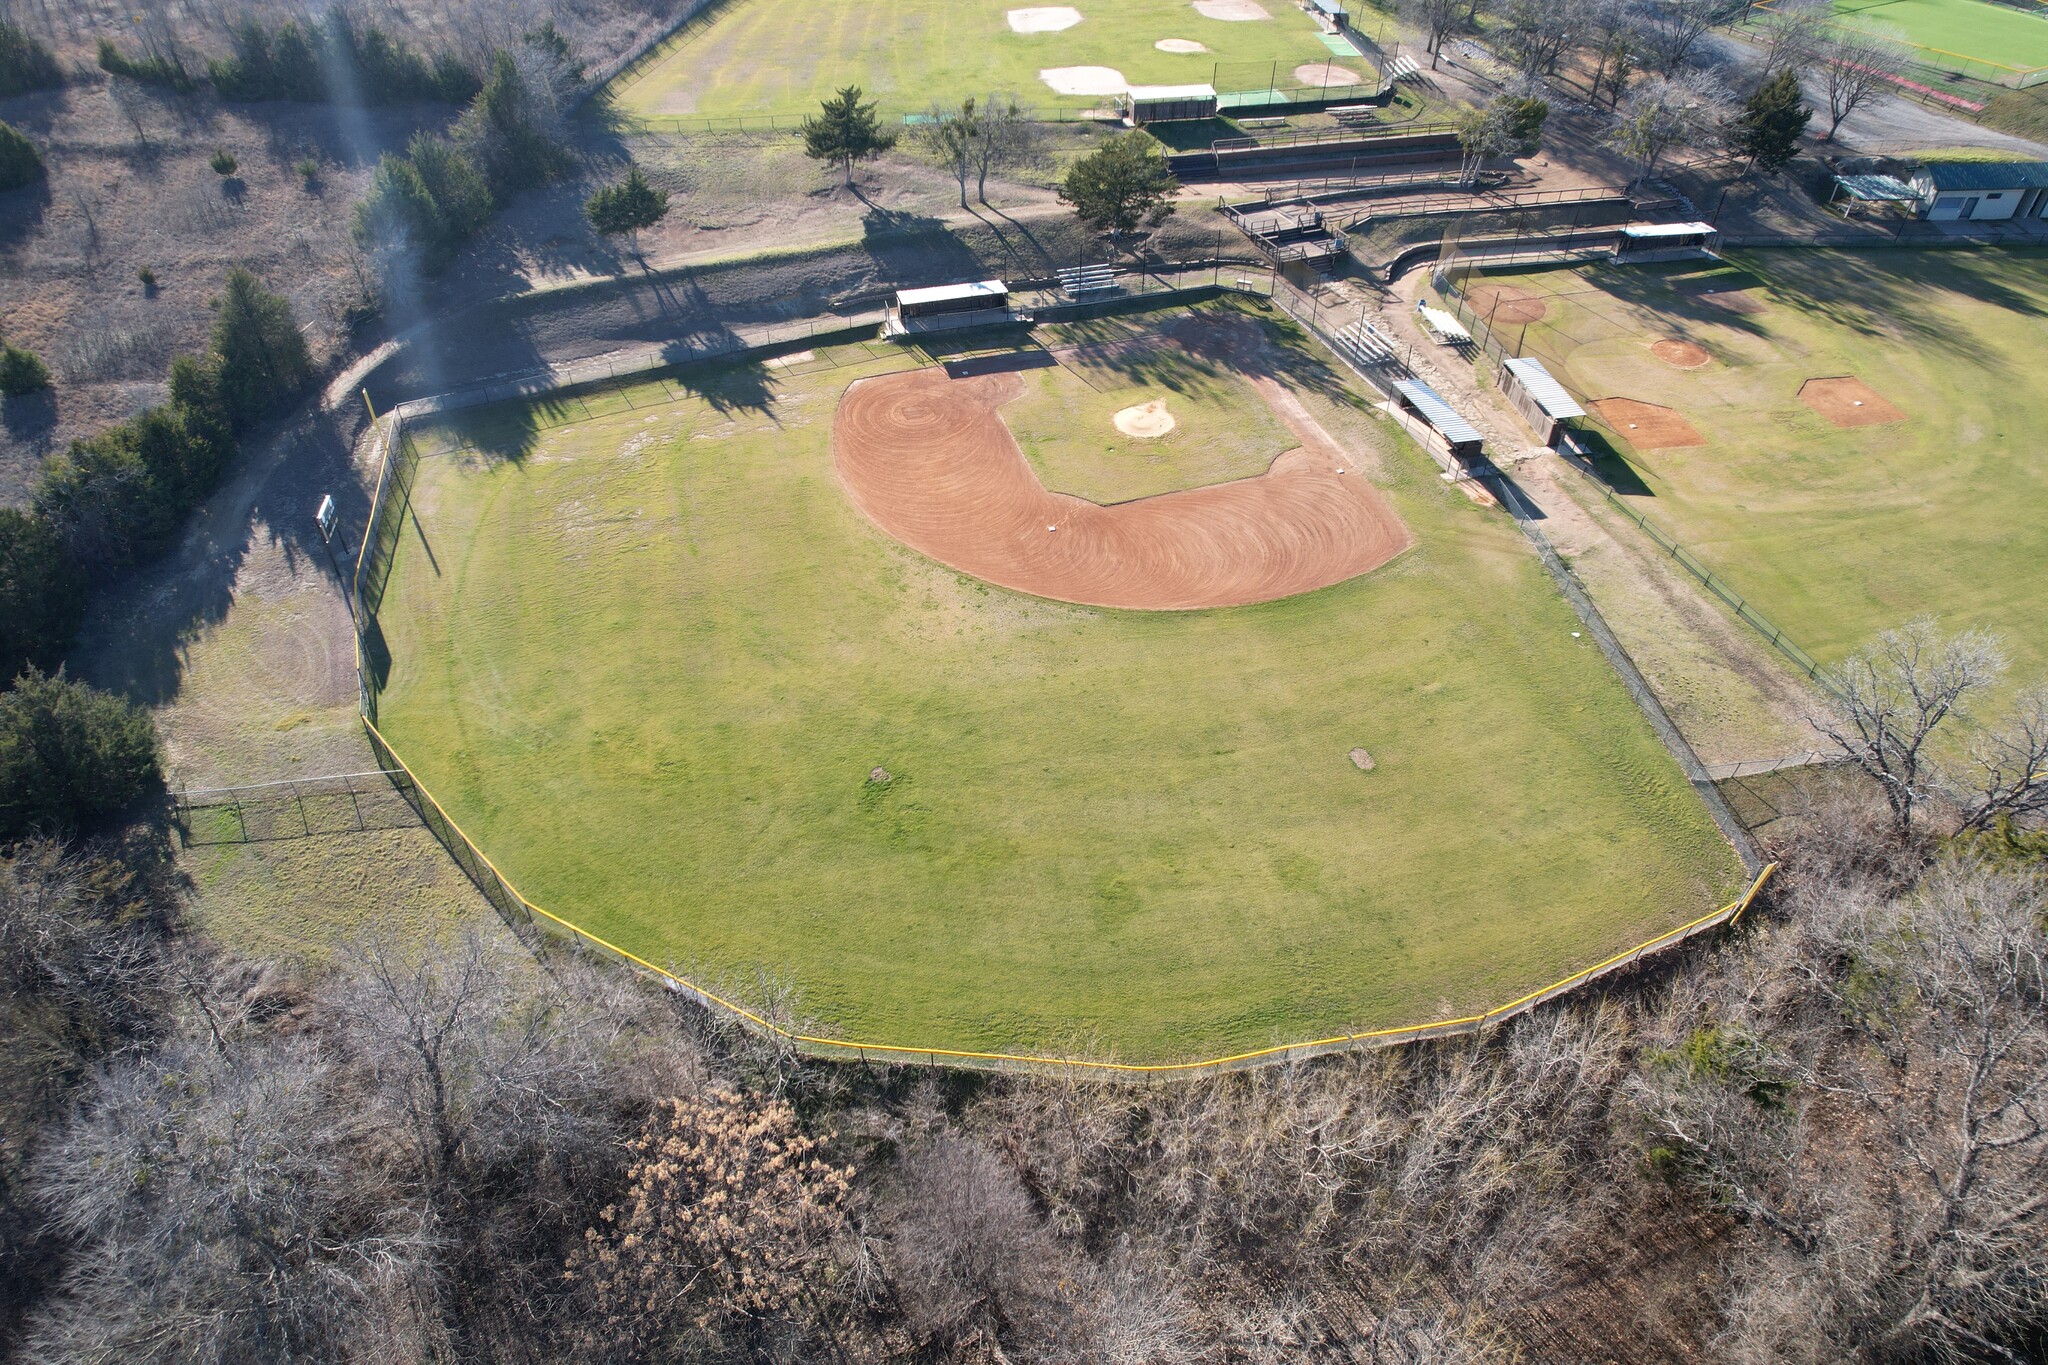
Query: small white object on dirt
[
  {"x": 1085, "y": 80},
  {"x": 1148, "y": 421},
  {"x": 1235, "y": 10},
  {"x": 1052, "y": 528},
  {"x": 1179, "y": 45},
  {"x": 1857, "y": 401},
  {"x": 1043, "y": 18}
]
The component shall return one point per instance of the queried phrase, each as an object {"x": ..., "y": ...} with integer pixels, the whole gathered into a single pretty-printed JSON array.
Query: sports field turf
[
  {"x": 1999, "y": 35},
  {"x": 772, "y": 57},
  {"x": 1835, "y": 533},
  {"x": 650, "y": 656}
]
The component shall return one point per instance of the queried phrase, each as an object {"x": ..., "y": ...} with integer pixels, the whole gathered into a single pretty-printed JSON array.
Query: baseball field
[
  {"x": 760, "y": 57},
  {"x": 669, "y": 657},
  {"x": 1998, "y": 36},
  {"x": 1850, "y": 439}
]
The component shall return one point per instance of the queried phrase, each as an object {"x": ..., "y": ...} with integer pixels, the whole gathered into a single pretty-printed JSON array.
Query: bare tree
[
  {"x": 1790, "y": 35},
  {"x": 1612, "y": 32},
  {"x": 1534, "y": 34},
  {"x": 1011, "y": 139},
  {"x": 1855, "y": 66},
  {"x": 1890, "y": 699},
  {"x": 1667, "y": 112},
  {"x": 1672, "y": 30},
  {"x": 1438, "y": 19},
  {"x": 968, "y": 1252},
  {"x": 949, "y": 139},
  {"x": 2012, "y": 766}
]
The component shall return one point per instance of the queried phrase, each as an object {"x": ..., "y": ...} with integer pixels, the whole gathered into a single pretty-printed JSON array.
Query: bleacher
[
  {"x": 1362, "y": 344},
  {"x": 1400, "y": 69},
  {"x": 1087, "y": 279}
]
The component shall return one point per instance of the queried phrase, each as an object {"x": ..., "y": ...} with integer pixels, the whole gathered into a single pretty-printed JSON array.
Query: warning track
[{"x": 929, "y": 460}]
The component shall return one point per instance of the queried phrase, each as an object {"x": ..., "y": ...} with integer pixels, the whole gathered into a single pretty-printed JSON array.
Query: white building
[{"x": 1982, "y": 191}]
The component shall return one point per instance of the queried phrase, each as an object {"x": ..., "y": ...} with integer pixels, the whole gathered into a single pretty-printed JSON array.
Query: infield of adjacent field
[
  {"x": 650, "y": 658},
  {"x": 767, "y": 57},
  {"x": 1836, "y": 533}
]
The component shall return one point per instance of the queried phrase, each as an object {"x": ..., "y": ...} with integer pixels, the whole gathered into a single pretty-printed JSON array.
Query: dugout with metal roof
[
  {"x": 1168, "y": 103},
  {"x": 949, "y": 305},
  {"x": 1459, "y": 436},
  {"x": 1877, "y": 192},
  {"x": 1540, "y": 400},
  {"x": 1659, "y": 241}
]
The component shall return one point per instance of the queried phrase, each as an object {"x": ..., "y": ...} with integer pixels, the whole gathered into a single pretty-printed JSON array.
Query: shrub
[
  {"x": 309, "y": 172},
  {"x": 70, "y": 754},
  {"x": 20, "y": 162},
  {"x": 25, "y": 64},
  {"x": 432, "y": 200},
  {"x": 166, "y": 69},
  {"x": 629, "y": 206},
  {"x": 148, "y": 278},
  {"x": 21, "y": 372},
  {"x": 223, "y": 162},
  {"x": 41, "y": 595},
  {"x": 262, "y": 360}
]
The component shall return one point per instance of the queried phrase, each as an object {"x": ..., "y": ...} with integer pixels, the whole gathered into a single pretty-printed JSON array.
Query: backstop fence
[
  {"x": 397, "y": 457},
  {"x": 1449, "y": 281}
]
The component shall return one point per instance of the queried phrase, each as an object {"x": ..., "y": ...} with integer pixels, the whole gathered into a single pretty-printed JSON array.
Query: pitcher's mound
[
  {"x": 1231, "y": 9},
  {"x": 1848, "y": 402},
  {"x": 1179, "y": 45},
  {"x": 1043, "y": 19},
  {"x": 1646, "y": 425},
  {"x": 1147, "y": 420},
  {"x": 1505, "y": 303},
  {"x": 1320, "y": 74},
  {"x": 1684, "y": 355},
  {"x": 1085, "y": 80}
]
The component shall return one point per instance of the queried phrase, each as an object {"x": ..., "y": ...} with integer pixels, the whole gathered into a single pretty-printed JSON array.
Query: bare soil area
[
  {"x": 1849, "y": 402},
  {"x": 1682, "y": 355},
  {"x": 1503, "y": 303},
  {"x": 1647, "y": 426},
  {"x": 929, "y": 460}
]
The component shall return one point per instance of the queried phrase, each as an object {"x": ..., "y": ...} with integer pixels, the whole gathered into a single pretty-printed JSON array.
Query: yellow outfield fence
[
  {"x": 510, "y": 902},
  {"x": 390, "y": 503}
]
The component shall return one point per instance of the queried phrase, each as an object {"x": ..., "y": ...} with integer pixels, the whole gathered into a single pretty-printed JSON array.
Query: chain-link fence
[{"x": 293, "y": 808}]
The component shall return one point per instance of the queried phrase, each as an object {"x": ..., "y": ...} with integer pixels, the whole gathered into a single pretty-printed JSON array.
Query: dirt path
[{"x": 929, "y": 460}]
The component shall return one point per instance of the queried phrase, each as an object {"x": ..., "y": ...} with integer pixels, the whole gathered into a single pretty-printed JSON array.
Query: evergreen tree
[
  {"x": 845, "y": 132},
  {"x": 628, "y": 207},
  {"x": 21, "y": 371},
  {"x": 20, "y": 162},
  {"x": 1767, "y": 131},
  {"x": 1121, "y": 185},
  {"x": 25, "y": 64},
  {"x": 42, "y": 593},
  {"x": 70, "y": 754},
  {"x": 262, "y": 358}
]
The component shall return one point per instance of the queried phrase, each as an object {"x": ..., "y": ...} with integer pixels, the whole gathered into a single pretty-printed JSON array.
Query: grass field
[
  {"x": 1997, "y": 35},
  {"x": 1834, "y": 533},
  {"x": 648, "y": 655},
  {"x": 768, "y": 57}
]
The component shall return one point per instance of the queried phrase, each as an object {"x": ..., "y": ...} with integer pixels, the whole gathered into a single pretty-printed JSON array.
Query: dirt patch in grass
[
  {"x": 1179, "y": 45},
  {"x": 1647, "y": 426},
  {"x": 1363, "y": 760},
  {"x": 1322, "y": 73},
  {"x": 1683, "y": 355},
  {"x": 1503, "y": 303},
  {"x": 1146, "y": 420},
  {"x": 1234, "y": 10},
  {"x": 1849, "y": 402},
  {"x": 1084, "y": 80},
  {"x": 1731, "y": 300},
  {"x": 1043, "y": 19}
]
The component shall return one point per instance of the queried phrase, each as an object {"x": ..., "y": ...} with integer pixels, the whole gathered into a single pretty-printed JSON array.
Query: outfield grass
[
  {"x": 1836, "y": 533},
  {"x": 1998, "y": 35},
  {"x": 648, "y": 658},
  {"x": 769, "y": 57}
]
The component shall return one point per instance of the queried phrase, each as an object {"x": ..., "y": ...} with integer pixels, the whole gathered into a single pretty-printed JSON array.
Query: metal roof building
[
  {"x": 948, "y": 298},
  {"x": 1536, "y": 395},
  {"x": 1426, "y": 403},
  {"x": 1166, "y": 103},
  {"x": 1982, "y": 191}
]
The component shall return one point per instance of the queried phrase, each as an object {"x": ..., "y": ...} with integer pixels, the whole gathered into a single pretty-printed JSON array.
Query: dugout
[
  {"x": 949, "y": 305},
  {"x": 1329, "y": 15},
  {"x": 1420, "y": 402},
  {"x": 1168, "y": 103},
  {"x": 1538, "y": 398},
  {"x": 1665, "y": 241}
]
